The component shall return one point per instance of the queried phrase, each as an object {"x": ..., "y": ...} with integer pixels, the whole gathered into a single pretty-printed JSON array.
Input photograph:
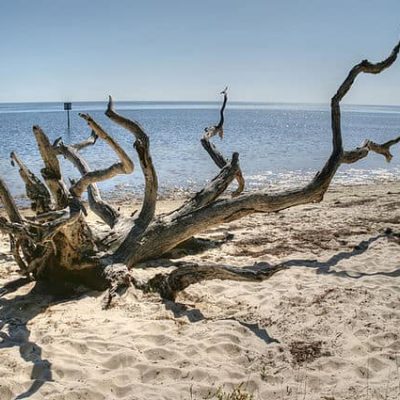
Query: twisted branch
[{"x": 142, "y": 146}]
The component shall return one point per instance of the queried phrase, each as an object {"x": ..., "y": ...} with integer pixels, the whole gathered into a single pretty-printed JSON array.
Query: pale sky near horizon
[{"x": 273, "y": 51}]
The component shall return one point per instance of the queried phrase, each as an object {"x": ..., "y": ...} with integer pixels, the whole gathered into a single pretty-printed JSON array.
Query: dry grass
[{"x": 238, "y": 393}]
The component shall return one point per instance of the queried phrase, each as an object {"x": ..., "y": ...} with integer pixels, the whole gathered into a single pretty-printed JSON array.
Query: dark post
[{"x": 67, "y": 107}]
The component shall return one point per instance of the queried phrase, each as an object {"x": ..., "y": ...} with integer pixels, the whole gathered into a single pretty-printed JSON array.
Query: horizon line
[{"x": 256, "y": 102}]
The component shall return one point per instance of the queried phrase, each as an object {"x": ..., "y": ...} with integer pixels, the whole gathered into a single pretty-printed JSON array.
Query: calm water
[{"x": 279, "y": 145}]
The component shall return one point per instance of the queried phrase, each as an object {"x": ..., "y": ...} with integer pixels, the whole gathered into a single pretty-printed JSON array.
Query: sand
[{"x": 326, "y": 328}]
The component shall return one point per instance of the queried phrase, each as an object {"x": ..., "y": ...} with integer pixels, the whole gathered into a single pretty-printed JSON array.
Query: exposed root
[{"x": 169, "y": 285}]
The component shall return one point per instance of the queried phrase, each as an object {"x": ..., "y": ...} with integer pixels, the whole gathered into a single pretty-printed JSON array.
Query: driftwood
[
  {"x": 58, "y": 247},
  {"x": 210, "y": 148}
]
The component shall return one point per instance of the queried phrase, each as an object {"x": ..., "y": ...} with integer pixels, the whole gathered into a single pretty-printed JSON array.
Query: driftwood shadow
[
  {"x": 255, "y": 328},
  {"x": 194, "y": 315},
  {"x": 16, "y": 312},
  {"x": 15, "y": 316},
  {"x": 325, "y": 267},
  {"x": 181, "y": 310}
]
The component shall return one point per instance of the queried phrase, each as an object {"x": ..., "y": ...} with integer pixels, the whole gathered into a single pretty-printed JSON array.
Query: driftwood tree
[{"x": 57, "y": 245}]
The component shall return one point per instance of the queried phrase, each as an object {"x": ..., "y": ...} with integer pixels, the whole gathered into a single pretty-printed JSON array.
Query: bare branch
[
  {"x": 366, "y": 67},
  {"x": 9, "y": 203},
  {"x": 142, "y": 146},
  {"x": 130, "y": 125},
  {"x": 35, "y": 189},
  {"x": 15, "y": 250},
  {"x": 220, "y": 161},
  {"x": 51, "y": 172},
  {"x": 210, "y": 148},
  {"x": 212, "y": 191},
  {"x": 100, "y": 207},
  {"x": 46, "y": 217},
  {"x": 352, "y": 156},
  {"x": 123, "y": 167},
  {"x": 90, "y": 141},
  {"x": 20, "y": 239},
  {"x": 219, "y": 128}
]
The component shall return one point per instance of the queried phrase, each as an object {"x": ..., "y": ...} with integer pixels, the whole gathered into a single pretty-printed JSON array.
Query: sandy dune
[{"x": 326, "y": 328}]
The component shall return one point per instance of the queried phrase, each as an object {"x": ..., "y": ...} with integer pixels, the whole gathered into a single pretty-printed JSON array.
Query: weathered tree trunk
[{"x": 59, "y": 247}]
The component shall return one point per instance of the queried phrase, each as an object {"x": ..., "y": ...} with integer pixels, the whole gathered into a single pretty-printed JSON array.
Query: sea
[{"x": 280, "y": 145}]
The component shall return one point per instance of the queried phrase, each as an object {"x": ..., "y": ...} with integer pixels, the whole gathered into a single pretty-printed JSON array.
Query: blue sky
[{"x": 274, "y": 51}]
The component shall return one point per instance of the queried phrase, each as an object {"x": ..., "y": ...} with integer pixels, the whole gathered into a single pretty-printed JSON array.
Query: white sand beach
[{"x": 327, "y": 328}]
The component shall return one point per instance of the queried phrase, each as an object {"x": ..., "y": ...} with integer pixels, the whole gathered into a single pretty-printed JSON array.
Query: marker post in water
[{"x": 68, "y": 107}]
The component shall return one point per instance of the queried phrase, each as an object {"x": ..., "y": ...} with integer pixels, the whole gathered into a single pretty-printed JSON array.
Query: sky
[{"x": 267, "y": 51}]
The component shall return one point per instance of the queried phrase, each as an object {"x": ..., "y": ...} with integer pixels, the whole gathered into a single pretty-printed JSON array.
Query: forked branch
[
  {"x": 100, "y": 207},
  {"x": 352, "y": 156},
  {"x": 125, "y": 166},
  {"x": 211, "y": 191},
  {"x": 221, "y": 162}
]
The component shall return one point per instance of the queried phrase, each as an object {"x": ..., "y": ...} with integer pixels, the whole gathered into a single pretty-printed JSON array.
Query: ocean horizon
[
  {"x": 281, "y": 145},
  {"x": 58, "y": 106}
]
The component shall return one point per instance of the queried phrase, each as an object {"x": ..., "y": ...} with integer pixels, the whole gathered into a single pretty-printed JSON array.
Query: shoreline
[{"x": 122, "y": 197}]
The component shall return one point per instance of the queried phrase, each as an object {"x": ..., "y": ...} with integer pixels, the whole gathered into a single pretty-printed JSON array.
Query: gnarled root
[{"x": 186, "y": 274}]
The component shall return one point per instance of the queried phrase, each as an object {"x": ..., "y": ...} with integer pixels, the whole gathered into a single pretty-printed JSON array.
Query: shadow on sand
[
  {"x": 18, "y": 311},
  {"x": 195, "y": 315},
  {"x": 15, "y": 315},
  {"x": 325, "y": 266}
]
